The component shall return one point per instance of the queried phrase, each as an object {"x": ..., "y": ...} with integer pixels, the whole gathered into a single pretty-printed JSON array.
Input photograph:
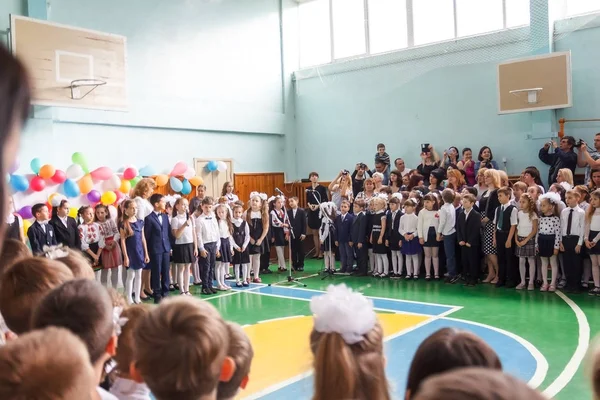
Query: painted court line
[
  {"x": 231, "y": 293},
  {"x": 582, "y": 344}
]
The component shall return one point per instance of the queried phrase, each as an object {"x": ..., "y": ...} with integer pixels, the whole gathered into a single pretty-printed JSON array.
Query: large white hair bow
[{"x": 553, "y": 198}]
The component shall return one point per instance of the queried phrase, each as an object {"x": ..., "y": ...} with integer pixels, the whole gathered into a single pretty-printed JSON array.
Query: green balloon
[
  {"x": 79, "y": 158},
  {"x": 134, "y": 181}
]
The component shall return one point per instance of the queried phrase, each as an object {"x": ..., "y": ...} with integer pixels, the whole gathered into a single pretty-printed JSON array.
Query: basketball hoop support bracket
[
  {"x": 532, "y": 94},
  {"x": 87, "y": 83}
]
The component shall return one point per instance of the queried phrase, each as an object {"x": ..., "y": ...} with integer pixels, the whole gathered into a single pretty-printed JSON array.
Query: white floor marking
[{"x": 582, "y": 345}]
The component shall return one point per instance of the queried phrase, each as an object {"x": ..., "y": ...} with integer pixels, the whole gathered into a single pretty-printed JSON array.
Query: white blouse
[
  {"x": 426, "y": 219},
  {"x": 144, "y": 208},
  {"x": 594, "y": 225},
  {"x": 187, "y": 236},
  {"x": 524, "y": 224},
  {"x": 409, "y": 224},
  {"x": 90, "y": 233},
  {"x": 238, "y": 223}
]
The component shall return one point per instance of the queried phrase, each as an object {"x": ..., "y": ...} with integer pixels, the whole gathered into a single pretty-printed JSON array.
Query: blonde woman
[
  {"x": 565, "y": 178},
  {"x": 341, "y": 188},
  {"x": 141, "y": 193},
  {"x": 487, "y": 205}
]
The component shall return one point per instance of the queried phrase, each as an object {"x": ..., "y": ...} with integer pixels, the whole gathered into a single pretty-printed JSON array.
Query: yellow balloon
[
  {"x": 196, "y": 181},
  {"x": 125, "y": 186},
  {"x": 53, "y": 195},
  {"x": 108, "y": 198},
  {"x": 161, "y": 180},
  {"x": 86, "y": 184},
  {"x": 73, "y": 212},
  {"x": 26, "y": 226}
]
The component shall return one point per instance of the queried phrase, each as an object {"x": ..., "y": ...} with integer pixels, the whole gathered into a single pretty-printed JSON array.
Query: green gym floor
[{"x": 540, "y": 337}]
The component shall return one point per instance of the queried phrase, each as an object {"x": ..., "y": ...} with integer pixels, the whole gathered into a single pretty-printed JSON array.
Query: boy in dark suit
[
  {"x": 505, "y": 225},
  {"x": 468, "y": 229},
  {"x": 297, "y": 218},
  {"x": 157, "y": 231},
  {"x": 65, "y": 227},
  {"x": 343, "y": 227},
  {"x": 41, "y": 233},
  {"x": 358, "y": 237}
]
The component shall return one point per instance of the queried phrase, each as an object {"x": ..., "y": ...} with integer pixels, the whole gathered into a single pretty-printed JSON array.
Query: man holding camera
[
  {"x": 589, "y": 159},
  {"x": 563, "y": 157}
]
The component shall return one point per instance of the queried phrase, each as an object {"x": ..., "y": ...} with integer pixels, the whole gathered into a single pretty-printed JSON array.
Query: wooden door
[{"x": 214, "y": 180}]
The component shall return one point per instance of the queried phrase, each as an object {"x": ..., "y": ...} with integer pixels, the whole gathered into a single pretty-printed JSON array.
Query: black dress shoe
[
  {"x": 206, "y": 291},
  {"x": 147, "y": 293},
  {"x": 213, "y": 290}
]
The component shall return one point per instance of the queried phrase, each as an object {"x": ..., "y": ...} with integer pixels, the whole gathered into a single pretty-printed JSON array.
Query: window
[
  {"x": 348, "y": 28},
  {"x": 576, "y": 7},
  {"x": 387, "y": 25},
  {"x": 315, "y": 45},
  {"x": 517, "y": 13},
  {"x": 476, "y": 16},
  {"x": 433, "y": 21}
]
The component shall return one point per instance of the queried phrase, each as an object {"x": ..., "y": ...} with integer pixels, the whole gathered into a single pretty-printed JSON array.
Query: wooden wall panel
[
  {"x": 244, "y": 184},
  {"x": 298, "y": 189}
]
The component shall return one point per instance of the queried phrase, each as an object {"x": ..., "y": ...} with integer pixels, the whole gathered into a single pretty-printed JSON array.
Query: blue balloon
[
  {"x": 212, "y": 166},
  {"x": 71, "y": 188},
  {"x": 147, "y": 171},
  {"x": 176, "y": 184},
  {"x": 35, "y": 165},
  {"x": 19, "y": 183},
  {"x": 187, "y": 187}
]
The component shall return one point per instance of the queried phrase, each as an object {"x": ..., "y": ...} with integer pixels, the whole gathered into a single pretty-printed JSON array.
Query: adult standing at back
[
  {"x": 485, "y": 159},
  {"x": 590, "y": 160},
  {"x": 563, "y": 157},
  {"x": 315, "y": 195}
]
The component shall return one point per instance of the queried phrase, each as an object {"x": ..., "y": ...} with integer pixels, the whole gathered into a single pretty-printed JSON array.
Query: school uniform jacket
[
  {"x": 298, "y": 222},
  {"x": 468, "y": 228},
  {"x": 38, "y": 238},
  {"x": 344, "y": 228},
  {"x": 67, "y": 235},
  {"x": 359, "y": 229},
  {"x": 158, "y": 235},
  {"x": 393, "y": 227}
]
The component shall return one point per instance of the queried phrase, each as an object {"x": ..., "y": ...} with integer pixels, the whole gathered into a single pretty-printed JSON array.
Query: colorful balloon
[
  {"x": 59, "y": 176},
  {"x": 75, "y": 172},
  {"x": 26, "y": 225},
  {"x": 186, "y": 188},
  {"x": 179, "y": 169},
  {"x": 221, "y": 166},
  {"x": 108, "y": 198},
  {"x": 47, "y": 171},
  {"x": 55, "y": 198},
  {"x": 73, "y": 212},
  {"x": 79, "y": 159},
  {"x": 35, "y": 165},
  {"x": 71, "y": 188},
  {"x": 19, "y": 183},
  {"x": 147, "y": 171},
  {"x": 162, "y": 180},
  {"x": 13, "y": 168},
  {"x": 125, "y": 187},
  {"x": 94, "y": 196},
  {"x": 189, "y": 173},
  {"x": 101, "y": 174},
  {"x": 37, "y": 184},
  {"x": 212, "y": 166},
  {"x": 196, "y": 181},
  {"x": 176, "y": 184},
  {"x": 130, "y": 173},
  {"x": 25, "y": 212},
  {"x": 112, "y": 184},
  {"x": 86, "y": 184},
  {"x": 135, "y": 181}
]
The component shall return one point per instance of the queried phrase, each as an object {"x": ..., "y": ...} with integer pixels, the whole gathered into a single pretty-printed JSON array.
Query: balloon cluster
[
  {"x": 213, "y": 166},
  {"x": 183, "y": 186}
]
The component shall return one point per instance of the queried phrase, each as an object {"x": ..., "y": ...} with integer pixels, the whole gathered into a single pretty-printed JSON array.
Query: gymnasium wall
[
  {"x": 444, "y": 94},
  {"x": 204, "y": 80}
]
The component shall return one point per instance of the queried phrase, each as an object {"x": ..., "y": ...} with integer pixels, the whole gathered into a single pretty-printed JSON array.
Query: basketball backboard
[
  {"x": 72, "y": 67},
  {"x": 535, "y": 83}
]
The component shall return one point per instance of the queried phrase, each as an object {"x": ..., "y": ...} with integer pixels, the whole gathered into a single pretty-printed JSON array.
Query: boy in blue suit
[
  {"x": 157, "y": 231},
  {"x": 41, "y": 233},
  {"x": 343, "y": 227}
]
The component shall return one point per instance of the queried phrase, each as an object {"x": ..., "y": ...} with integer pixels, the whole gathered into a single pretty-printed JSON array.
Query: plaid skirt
[{"x": 528, "y": 250}]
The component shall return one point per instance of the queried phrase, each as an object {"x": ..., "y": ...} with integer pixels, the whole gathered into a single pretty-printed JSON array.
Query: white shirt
[
  {"x": 64, "y": 220},
  {"x": 426, "y": 219},
  {"x": 207, "y": 230},
  {"x": 594, "y": 225},
  {"x": 232, "y": 198},
  {"x": 126, "y": 389},
  {"x": 577, "y": 223},
  {"x": 513, "y": 216},
  {"x": 104, "y": 395},
  {"x": 409, "y": 224},
  {"x": 238, "y": 223},
  {"x": 187, "y": 236},
  {"x": 144, "y": 208},
  {"x": 447, "y": 219},
  {"x": 525, "y": 224},
  {"x": 224, "y": 232}
]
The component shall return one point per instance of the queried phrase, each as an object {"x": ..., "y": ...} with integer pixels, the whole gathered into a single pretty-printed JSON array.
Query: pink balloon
[
  {"x": 101, "y": 174},
  {"x": 179, "y": 169},
  {"x": 130, "y": 173},
  {"x": 37, "y": 184},
  {"x": 59, "y": 176}
]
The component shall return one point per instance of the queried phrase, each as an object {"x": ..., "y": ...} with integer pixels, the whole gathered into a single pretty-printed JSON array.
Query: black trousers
[
  {"x": 573, "y": 263},
  {"x": 159, "y": 275},
  {"x": 470, "y": 262},
  {"x": 207, "y": 265},
  {"x": 264, "y": 260},
  {"x": 506, "y": 265},
  {"x": 362, "y": 258},
  {"x": 297, "y": 253}
]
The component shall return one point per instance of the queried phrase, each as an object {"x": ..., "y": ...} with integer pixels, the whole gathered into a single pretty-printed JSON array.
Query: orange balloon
[
  {"x": 125, "y": 186},
  {"x": 86, "y": 184},
  {"x": 196, "y": 181},
  {"x": 47, "y": 171},
  {"x": 162, "y": 180}
]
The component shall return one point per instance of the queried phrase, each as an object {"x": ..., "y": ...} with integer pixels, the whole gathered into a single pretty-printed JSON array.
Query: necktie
[
  {"x": 500, "y": 217},
  {"x": 159, "y": 218},
  {"x": 569, "y": 222}
]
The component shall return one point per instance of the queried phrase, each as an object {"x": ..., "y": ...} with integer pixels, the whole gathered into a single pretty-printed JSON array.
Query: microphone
[{"x": 279, "y": 191}]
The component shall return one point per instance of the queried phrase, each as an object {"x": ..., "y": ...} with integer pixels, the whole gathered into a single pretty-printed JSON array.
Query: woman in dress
[
  {"x": 468, "y": 165},
  {"x": 395, "y": 181},
  {"x": 487, "y": 205},
  {"x": 141, "y": 195},
  {"x": 341, "y": 188}
]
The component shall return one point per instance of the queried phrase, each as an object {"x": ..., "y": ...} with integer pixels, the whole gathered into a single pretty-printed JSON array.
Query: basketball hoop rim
[{"x": 87, "y": 82}]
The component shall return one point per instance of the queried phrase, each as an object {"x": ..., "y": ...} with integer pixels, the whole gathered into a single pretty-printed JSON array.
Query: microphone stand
[{"x": 329, "y": 273}]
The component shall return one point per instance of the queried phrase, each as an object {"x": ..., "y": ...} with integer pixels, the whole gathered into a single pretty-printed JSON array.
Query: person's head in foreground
[
  {"x": 51, "y": 363},
  {"x": 476, "y": 383},
  {"x": 240, "y": 350},
  {"x": 84, "y": 307},
  {"x": 180, "y": 350},
  {"x": 24, "y": 284},
  {"x": 445, "y": 350},
  {"x": 347, "y": 345}
]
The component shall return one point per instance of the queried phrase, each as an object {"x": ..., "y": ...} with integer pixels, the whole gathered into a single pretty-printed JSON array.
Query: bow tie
[{"x": 43, "y": 223}]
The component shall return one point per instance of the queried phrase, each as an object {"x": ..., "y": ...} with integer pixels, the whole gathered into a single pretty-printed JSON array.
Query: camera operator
[
  {"x": 341, "y": 188},
  {"x": 358, "y": 178},
  {"x": 563, "y": 157},
  {"x": 589, "y": 159}
]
